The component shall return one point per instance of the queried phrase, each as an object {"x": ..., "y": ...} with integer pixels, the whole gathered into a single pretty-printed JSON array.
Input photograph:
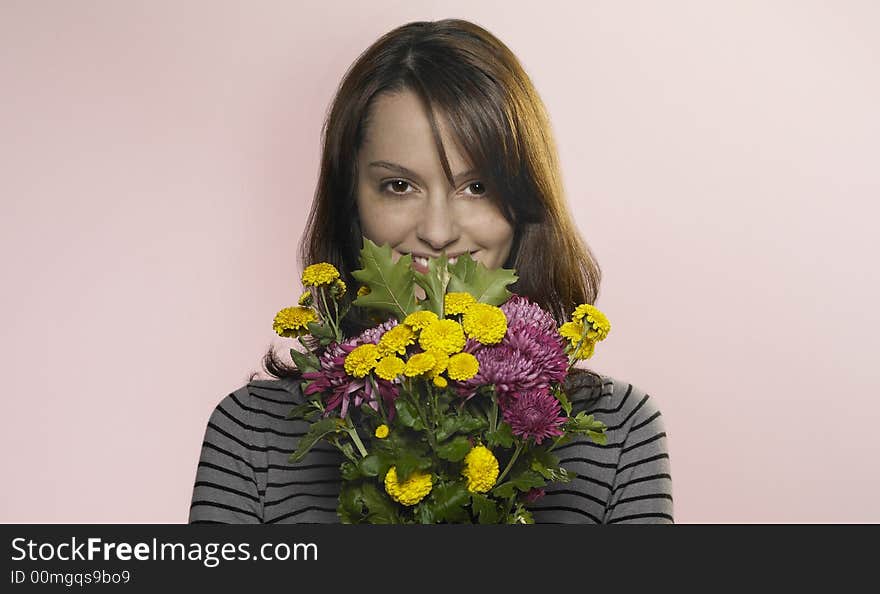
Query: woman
[{"x": 437, "y": 141}]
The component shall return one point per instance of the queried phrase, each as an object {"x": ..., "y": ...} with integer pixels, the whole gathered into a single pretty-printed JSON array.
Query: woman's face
[{"x": 405, "y": 200}]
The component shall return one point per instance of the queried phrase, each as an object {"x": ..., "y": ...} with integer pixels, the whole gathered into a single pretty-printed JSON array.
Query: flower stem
[
  {"x": 328, "y": 316},
  {"x": 352, "y": 432},
  {"x": 577, "y": 349},
  {"x": 509, "y": 464}
]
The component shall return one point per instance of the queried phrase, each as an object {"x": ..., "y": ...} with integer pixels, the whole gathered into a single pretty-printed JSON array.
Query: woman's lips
[{"x": 419, "y": 265}]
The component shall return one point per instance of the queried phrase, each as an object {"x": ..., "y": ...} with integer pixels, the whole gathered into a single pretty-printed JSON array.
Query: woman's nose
[{"x": 438, "y": 227}]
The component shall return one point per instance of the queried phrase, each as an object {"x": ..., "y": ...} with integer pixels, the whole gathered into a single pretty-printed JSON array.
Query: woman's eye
[
  {"x": 396, "y": 186},
  {"x": 481, "y": 187}
]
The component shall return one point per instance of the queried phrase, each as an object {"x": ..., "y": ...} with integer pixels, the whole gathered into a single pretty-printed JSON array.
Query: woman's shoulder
[
  {"x": 614, "y": 400},
  {"x": 258, "y": 405}
]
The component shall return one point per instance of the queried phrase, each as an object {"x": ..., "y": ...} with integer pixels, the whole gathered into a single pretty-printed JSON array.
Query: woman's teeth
[{"x": 422, "y": 261}]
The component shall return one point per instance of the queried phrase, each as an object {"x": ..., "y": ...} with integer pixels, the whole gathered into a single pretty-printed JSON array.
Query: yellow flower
[
  {"x": 363, "y": 290},
  {"x": 420, "y": 319},
  {"x": 442, "y": 335},
  {"x": 382, "y": 431},
  {"x": 396, "y": 340},
  {"x": 456, "y": 303},
  {"x": 389, "y": 367},
  {"x": 306, "y": 298},
  {"x": 462, "y": 366},
  {"x": 485, "y": 323},
  {"x": 440, "y": 381},
  {"x": 410, "y": 491},
  {"x": 596, "y": 322},
  {"x": 441, "y": 360},
  {"x": 573, "y": 331},
  {"x": 419, "y": 363},
  {"x": 480, "y": 469},
  {"x": 586, "y": 350},
  {"x": 361, "y": 360},
  {"x": 319, "y": 274},
  {"x": 338, "y": 289},
  {"x": 293, "y": 321}
]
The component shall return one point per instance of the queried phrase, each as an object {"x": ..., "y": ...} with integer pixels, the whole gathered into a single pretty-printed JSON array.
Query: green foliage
[
  {"x": 446, "y": 503},
  {"x": 503, "y": 436},
  {"x": 392, "y": 284},
  {"x": 435, "y": 282},
  {"x": 305, "y": 362},
  {"x": 484, "y": 508},
  {"x": 520, "y": 482},
  {"x": 362, "y": 502},
  {"x": 321, "y": 331},
  {"x": 302, "y": 411},
  {"x": 408, "y": 414},
  {"x": 586, "y": 425},
  {"x": 316, "y": 432},
  {"x": 486, "y": 286},
  {"x": 562, "y": 397},
  {"x": 464, "y": 423},
  {"x": 454, "y": 450}
]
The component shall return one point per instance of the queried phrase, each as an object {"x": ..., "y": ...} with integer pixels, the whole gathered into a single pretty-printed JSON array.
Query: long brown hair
[{"x": 467, "y": 75}]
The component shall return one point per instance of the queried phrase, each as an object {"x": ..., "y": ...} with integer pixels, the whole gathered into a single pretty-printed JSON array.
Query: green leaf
[
  {"x": 454, "y": 450},
  {"x": 350, "y": 471},
  {"x": 459, "y": 424},
  {"x": 562, "y": 397},
  {"x": 503, "y": 436},
  {"x": 435, "y": 282},
  {"x": 321, "y": 330},
  {"x": 392, "y": 284},
  {"x": 370, "y": 465},
  {"x": 528, "y": 480},
  {"x": 315, "y": 433},
  {"x": 300, "y": 411},
  {"x": 448, "y": 503},
  {"x": 363, "y": 501},
  {"x": 486, "y": 286},
  {"x": 547, "y": 465},
  {"x": 586, "y": 425},
  {"x": 486, "y": 509},
  {"x": 522, "y": 482},
  {"x": 381, "y": 509},
  {"x": 305, "y": 362},
  {"x": 504, "y": 490},
  {"x": 407, "y": 414},
  {"x": 424, "y": 513},
  {"x": 407, "y": 463},
  {"x": 351, "y": 504}
]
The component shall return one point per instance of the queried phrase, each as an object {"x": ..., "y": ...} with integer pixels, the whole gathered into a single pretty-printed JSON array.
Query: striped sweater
[{"x": 244, "y": 477}]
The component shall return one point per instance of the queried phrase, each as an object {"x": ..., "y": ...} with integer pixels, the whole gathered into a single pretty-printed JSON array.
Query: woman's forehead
[{"x": 399, "y": 132}]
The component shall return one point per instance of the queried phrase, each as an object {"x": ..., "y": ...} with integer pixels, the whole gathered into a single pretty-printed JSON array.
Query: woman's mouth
[{"x": 420, "y": 263}]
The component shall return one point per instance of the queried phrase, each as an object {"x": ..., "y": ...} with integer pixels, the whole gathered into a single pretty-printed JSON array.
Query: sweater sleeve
[
  {"x": 226, "y": 489},
  {"x": 642, "y": 487}
]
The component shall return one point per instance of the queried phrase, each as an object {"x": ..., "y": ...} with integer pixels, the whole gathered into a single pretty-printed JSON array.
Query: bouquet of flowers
[{"x": 449, "y": 408}]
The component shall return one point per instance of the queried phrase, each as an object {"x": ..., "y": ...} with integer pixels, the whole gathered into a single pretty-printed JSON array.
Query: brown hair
[{"x": 472, "y": 79}]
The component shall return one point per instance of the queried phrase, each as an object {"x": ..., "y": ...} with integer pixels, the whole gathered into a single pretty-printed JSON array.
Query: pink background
[{"x": 158, "y": 158}]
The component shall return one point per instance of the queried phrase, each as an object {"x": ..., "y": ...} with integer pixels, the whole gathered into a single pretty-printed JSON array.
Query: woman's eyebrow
[{"x": 400, "y": 169}]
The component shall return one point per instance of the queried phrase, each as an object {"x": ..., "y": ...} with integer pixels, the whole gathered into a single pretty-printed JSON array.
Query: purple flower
[
  {"x": 372, "y": 335},
  {"x": 527, "y": 358},
  {"x": 534, "y": 414},
  {"x": 533, "y": 495},
  {"x": 340, "y": 389},
  {"x": 521, "y": 309}
]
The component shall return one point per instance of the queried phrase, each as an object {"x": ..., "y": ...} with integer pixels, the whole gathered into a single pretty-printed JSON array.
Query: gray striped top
[{"x": 244, "y": 477}]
